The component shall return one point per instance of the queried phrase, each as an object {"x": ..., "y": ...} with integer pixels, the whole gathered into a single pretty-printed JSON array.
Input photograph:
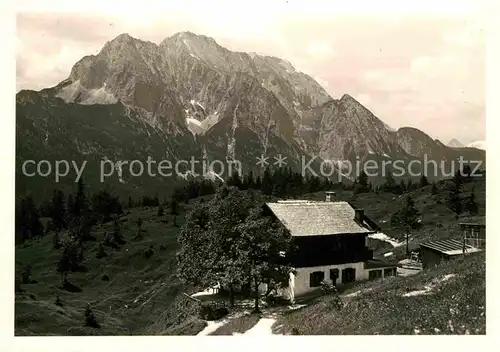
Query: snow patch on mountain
[
  {"x": 75, "y": 91},
  {"x": 478, "y": 145},
  {"x": 455, "y": 143}
]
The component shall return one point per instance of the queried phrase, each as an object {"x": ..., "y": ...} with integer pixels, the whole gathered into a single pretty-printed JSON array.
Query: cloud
[{"x": 319, "y": 48}]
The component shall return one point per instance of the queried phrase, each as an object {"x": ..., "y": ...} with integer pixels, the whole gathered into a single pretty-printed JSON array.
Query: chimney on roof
[
  {"x": 359, "y": 214},
  {"x": 330, "y": 196}
]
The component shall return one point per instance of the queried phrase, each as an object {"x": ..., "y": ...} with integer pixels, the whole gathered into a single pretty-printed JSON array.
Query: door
[{"x": 334, "y": 275}]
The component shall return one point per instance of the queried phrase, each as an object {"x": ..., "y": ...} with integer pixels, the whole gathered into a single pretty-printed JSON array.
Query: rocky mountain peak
[
  {"x": 348, "y": 99},
  {"x": 124, "y": 38},
  {"x": 455, "y": 143}
]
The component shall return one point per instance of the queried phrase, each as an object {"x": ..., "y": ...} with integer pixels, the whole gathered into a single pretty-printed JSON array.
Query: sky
[{"x": 422, "y": 67}]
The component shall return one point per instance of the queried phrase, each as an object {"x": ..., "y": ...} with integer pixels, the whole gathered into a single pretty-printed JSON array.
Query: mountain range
[
  {"x": 188, "y": 97},
  {"x": 477, "y": 144},
  {"x": 455, "y": 143}
]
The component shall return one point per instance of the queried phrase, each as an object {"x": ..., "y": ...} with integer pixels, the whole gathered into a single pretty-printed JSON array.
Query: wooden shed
[
  {"x": 474, "y": 231},
  {"x": 435, "y": 252}
]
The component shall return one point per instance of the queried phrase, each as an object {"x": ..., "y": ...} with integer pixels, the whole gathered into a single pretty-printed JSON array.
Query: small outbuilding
[
  {"x": 435, "y": 252},
  {"x": 474, "y": 231}
]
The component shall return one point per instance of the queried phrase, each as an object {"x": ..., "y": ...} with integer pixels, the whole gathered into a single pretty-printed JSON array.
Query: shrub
[
  {"x": 149, "y": 252},
  {"x": 58, "y": 301},
  {"x": 160, "y": 212},
  {"x": 18, "y": 286},
  {"x": 101, "y": 253},
  {"x": 56, "y": 241},
  {"x": 328, "y": 287},
  {"x": 105, "y": 277},
  {"x": 210, "y": 312},
  {"x": 26, "y": 274}
]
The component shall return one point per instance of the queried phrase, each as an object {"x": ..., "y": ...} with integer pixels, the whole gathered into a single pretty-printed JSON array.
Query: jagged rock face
[
  {"x": 422, "y": 146},
  {"x": 193, "y": 81},
  {"x": 344, "y": 129},
  {"x": 49, "y": 129},
  {"x": 130, "y": 71},
  {"x": 210, "y": 75},
  {"x": 417, "y": 143},
  {"x": 237, "y": 105}
]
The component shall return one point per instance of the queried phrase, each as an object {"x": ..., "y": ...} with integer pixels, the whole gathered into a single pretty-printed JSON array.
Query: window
[
  {"x": 389, "y": 272},
  {"x": 334, "y": 275},
  {"x": 348, "y": 275},
  {"x": 315, "y": 278},
  {"x": 374, "y": 274}
]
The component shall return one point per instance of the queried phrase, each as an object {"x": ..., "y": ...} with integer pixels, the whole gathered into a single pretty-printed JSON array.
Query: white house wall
[{"x": 301, "y": 282}]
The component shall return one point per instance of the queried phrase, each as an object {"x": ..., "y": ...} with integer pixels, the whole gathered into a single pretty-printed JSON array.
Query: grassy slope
[
  {"x": 142, "y": 296},
  {"x": 456, "y": 306},
  {"x": 152, "y": 281}
]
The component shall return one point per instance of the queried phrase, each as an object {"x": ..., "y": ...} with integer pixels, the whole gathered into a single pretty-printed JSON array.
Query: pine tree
[
  {"x": 235, "y": 180},
  {"x": 101, "y": 253},
  {"x": 117, "y": 233},
  {"x": 173, "y": 206},
  {"x": 138, "y": 236},
  {"x": 407, "y": 218},
  {"x": 26, "y": 274},
  {"x": 160, "y": 212},
  {"x": 90, "y": 319},
  {"x": 267, "y": 182},
  {"x": 466, "y": 172},
  {"x": 454, "y": 200},
  {"x": 70, "y": 207},
  {"x": 390, "y": 185},
  {"x": 470, "y": 204},
  {"x": 434, "y": 189},
  {"x": 402, "y": 187},
  {"x": 80, "y": 206},
  {"x": 258, "y": 183},
  {"x": 56, "y": 242},
  {"x": 361, "y": 184},
  {"x": 248, "y": 182},
  {"x": 28, "y": 223},
  {"x": 423, "y": 181},
  {"x": 409, "y": 185},
  {"x": 105, "y": 205},
  {"x": 58, "y": 210},
  {"x": 69, "y": 258}
]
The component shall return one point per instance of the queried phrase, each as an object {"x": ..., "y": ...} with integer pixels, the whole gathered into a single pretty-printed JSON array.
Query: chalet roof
[
  {"x": 380, "y": 263},
  {"x": 450, "y": 247},
  {"x": 309, "y": 218}
]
